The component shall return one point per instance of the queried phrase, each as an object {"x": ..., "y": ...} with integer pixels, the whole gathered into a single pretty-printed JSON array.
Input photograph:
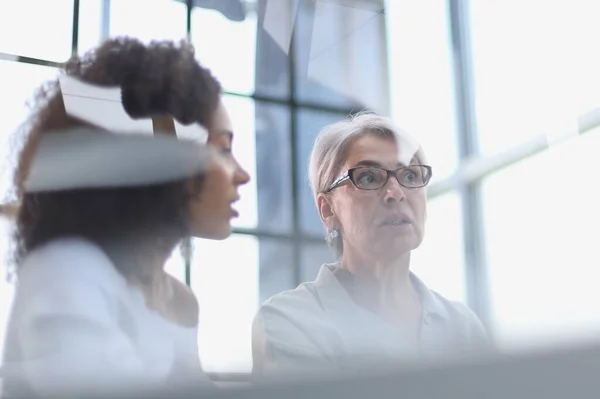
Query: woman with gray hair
[{"x": 369, "y": 182}]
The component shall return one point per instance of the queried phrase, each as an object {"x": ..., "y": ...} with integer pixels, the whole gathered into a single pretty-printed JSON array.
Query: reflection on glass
[
  {"x": 273, "y": 38},
  {"x": 18, "y": 82},
  {"x": 273, "y": 168},
  {"x": 439, "y": 261},
  {"x": 421, "y": 81},
  {"x": 225, "y": 279},
  {"x": 541, "y": 218},
  {"x": 148, "y": 19},
  {"x": 313, "y": 256},
  {"x": 37, "y": 28},
  {"x": 6, "y": 288},
  {"x": 541, "y": 70},
  {"x": 276, "y": 268},
  {"x": 227, "y": 47},
  {"x": 310, "y": 124},
  {"x": 341, "y": 55}
]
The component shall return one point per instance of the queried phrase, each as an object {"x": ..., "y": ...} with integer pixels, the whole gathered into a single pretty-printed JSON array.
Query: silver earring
[{"x": 334, "y": 233}]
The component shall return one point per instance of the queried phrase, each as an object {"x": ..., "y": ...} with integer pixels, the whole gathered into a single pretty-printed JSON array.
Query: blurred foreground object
[
  {"x": 9, "y": 210},
  {"x": 553, "y": 374},
  {"x": 234, "y": 10},
  {"x": 103, "y": 107},
  {"x": 93, "y": 158}
]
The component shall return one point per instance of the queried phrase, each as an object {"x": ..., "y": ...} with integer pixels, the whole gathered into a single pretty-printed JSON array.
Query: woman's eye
[
  {"x": 410, "y": 176},
  {"x": 366, "y": 178}
]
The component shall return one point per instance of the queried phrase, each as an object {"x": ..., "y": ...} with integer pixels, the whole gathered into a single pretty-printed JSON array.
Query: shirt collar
[
  {"x": 431, "y": 303},
  {"x": 333, "y": 295},
  {"x": 330, "y": 291}
]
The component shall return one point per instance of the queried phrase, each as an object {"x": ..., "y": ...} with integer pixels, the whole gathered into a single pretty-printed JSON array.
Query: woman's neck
[
  {"x": 142, "y": 263},
  {"x": 139, "y": 259},
  {"x": 384, "y": 287},
  {"x": 378, "y": 269}
]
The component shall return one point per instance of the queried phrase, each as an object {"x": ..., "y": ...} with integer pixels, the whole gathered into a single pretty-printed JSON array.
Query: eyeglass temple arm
[{"x": 338, "y": 181}]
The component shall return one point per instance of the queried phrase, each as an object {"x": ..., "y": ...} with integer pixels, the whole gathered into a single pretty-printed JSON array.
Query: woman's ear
[{"x": 326, "y": 211}]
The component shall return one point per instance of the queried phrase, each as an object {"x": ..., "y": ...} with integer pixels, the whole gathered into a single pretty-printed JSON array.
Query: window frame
[{"x": 296, "y": 238}]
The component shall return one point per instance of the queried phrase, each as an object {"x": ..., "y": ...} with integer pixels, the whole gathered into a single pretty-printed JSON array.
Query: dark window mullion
[{"x": 75, "y": 35}]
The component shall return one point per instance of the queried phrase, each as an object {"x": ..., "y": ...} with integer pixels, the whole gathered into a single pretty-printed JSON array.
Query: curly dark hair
[{"x": 159, "y": 79}]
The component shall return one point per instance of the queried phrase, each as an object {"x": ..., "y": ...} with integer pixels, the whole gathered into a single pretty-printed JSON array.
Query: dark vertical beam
[
  {"x": 187, "y": 246},
  {"x": 296, "y": 247},
  {"x": 188, "y": 19},
  {"x": 473, "y": 229},
  {"x": 75, "y": 34},
  {"x": 305, "y": 14}
]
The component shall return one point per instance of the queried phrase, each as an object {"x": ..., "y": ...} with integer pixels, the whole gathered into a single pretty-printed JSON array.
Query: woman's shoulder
[
  {"x": 303, "y": 305},
  {"x": 66, "y": 279},
  {"x": 64, "y": 248},
  {"x": 302, "y": 297},
  {"x": 308, "y": 295},
  {"x": 68, "y": 259}
]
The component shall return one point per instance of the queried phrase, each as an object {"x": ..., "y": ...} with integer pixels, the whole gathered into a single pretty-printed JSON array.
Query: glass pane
[
  {"x": 276, "y": 268},
  {"x": 227, "y": 47},
  {"x": 516, "y": 69},
  {"x": 421, "y": 79},
  {"x": 225, "y": 277},
  {"x": 18, "y": 82},
  {"x": 341, "y": 55},
  {"x": 310, "y": 124},
  {"x": 262, "y": 130},
  {"x": 313, "y": 256},
  {"x": 148, "y": 19},
  {"x": 273, "y": 168},
  {"x": 541, "y": 217},
  {"x": 37, "y": 28},
  {"x": 90, "y": 24},
  {"x": 439, "y": 261}
]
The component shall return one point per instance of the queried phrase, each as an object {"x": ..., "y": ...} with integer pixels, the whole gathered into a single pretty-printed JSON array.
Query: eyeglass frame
[{"x": 349, "y": 173}]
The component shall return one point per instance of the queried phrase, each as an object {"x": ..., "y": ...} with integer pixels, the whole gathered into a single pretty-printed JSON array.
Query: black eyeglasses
[{"x": 374, "y": 178}]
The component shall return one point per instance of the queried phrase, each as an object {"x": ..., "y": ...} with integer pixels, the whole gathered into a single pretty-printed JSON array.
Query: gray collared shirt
[{"x": 319, "y": 326}]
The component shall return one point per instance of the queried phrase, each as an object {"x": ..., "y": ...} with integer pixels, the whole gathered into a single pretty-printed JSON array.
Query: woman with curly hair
[{"x": 94, "y": 307}]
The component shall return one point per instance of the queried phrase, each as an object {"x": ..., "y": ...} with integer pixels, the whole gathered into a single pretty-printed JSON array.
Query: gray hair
[{"x": 331, "y": 150}]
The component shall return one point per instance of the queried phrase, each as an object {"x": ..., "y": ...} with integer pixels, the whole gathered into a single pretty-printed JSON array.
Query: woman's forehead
[
  {"x": 383, "y": 150},
  {"x": 221, "y": 119}
]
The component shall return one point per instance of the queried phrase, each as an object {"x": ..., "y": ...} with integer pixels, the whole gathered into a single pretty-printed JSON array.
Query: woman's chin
[
  {"x": 217, "y": 233},
  {"x": 222, "y": 235},
  {"x": 400, "y": 246}
]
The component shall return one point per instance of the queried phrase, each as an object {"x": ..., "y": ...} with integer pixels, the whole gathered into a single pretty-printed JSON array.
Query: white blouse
[
  {"x": 76, "y": 322},
  {"x": 318, "y": 326}
]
